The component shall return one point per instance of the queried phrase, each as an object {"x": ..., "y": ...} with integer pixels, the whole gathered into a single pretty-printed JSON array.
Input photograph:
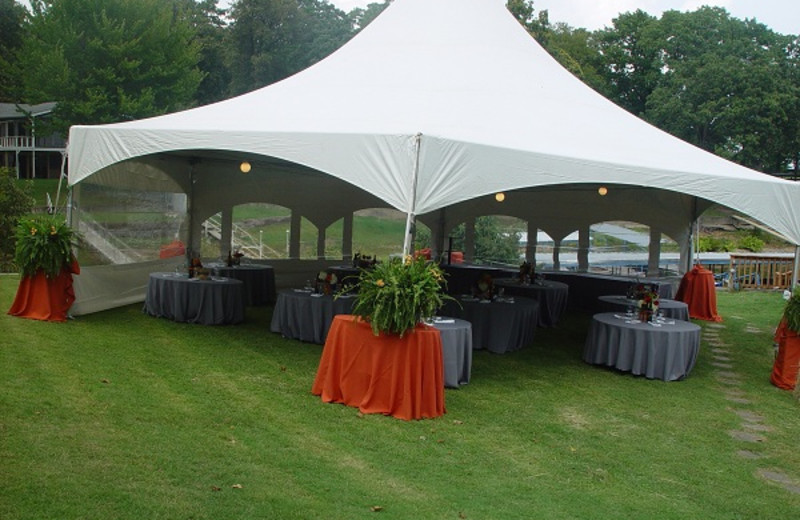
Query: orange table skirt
[
  {"x": 787, "y": 361},
  {"x": 697, "y": 290},
  {"x": 42, "y": 298},
  {"x": 401, "y": 377}
]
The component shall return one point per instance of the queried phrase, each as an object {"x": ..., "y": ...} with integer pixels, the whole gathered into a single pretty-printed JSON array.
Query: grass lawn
[{"x": 118, "y": 415}]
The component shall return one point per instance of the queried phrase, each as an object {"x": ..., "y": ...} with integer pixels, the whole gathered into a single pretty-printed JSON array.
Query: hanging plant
[
  {"x": 44, "y": 243},
  {"x": 394, "y": 296}
]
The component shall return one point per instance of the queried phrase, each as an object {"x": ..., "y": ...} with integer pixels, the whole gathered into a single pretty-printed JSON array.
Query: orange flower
[
  {"x": 380, "y": 283},
  {"x": 53, "y": 230},
  {"x": 33, "y": 231}
]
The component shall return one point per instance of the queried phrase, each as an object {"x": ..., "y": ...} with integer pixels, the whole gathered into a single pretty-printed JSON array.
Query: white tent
[{"x": 432, "y": 109}]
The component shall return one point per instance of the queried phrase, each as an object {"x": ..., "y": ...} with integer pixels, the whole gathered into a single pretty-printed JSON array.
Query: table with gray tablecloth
[
  {"x": 215, "y": 301},
  {"x": 499, "y": 326},
  {"x": 301, "y": 314},
  {"x": 259, "y": 281},
  {"x": 552, "y": 297},
  {"x": 456, "y": 350},
  {"x": 666, "y": 352},
  {"x": 669, "y": 308},
  {"x": 585, "y": 288},
  {"x": 463, "y": 278}
]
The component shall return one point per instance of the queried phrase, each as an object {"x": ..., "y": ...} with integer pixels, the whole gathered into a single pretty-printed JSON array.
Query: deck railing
[{"x": 756, "y": 271}]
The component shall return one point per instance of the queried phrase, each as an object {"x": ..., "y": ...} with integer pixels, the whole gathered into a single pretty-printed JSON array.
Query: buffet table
[
  {"x": 259, "y": 281},
  {"x": 462, "y": 278},
  {"x": 499, "y": 326},
  {"x": 552, "y": 297},
  {"x": 456, "y": 350},
  {"x": 401, "y": 377},
  {"x": 670, "y": 308},
  {"x": 216, "y": 301},
  {"x": 666, "y": 352},
  {"x": 305, "y": 316}
]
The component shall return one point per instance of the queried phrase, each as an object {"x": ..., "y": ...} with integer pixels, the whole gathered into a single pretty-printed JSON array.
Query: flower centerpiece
[
  {"x": 326, "y": 282},
  {"x": 44, "y": 243},
  {"x": 397, "y": 294},
  {"x": 526, "y": 272},
  {"x": 484, "y": 289},
  {"x": 647, "y": 300}
]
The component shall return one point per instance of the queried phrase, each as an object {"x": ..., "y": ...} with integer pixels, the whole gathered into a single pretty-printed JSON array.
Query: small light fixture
[
  {"x": 602, "y": 190},
  {"x": 500, "y": 196},
  {"x": 245, "y": 167}
]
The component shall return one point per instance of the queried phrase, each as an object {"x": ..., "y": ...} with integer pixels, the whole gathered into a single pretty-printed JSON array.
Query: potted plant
[
  {"x": 787, "y": 338},
  {"x": 44, "y": 258},
  {"x": 396, "y": 295},
  {"x": 44, "y": 244}
]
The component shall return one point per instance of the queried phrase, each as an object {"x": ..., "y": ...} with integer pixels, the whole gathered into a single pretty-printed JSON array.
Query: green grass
[{"x": 120, "y": 415}]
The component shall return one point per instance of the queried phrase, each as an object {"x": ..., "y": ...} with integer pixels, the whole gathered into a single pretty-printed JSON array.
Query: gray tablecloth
[
  {"x": 456, "y": 350},
  {"x": 585, "y": 288},
  {"x": 462, "y": 278},
  {"x": 670, "y": 308},
  {"x": 668, "y": 352},
  {"x": 259, "y": 281},
  {"x": 300, "y": 315},
  {"x": 217, "y": 301},
  {"x": 552, "y": 297},
  {"x": 498, "y": 327}
]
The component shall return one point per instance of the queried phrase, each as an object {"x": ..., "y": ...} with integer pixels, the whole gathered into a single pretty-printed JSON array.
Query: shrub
[
  {"x": 15, "y": 201},
  {"x": 751, "y": 243}
]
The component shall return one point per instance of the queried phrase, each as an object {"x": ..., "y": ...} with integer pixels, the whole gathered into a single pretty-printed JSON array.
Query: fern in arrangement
[
  {"x": 44, "y": 242},
  {"x": 792, "y": 311},
  {"x": 394, "y": 296}
]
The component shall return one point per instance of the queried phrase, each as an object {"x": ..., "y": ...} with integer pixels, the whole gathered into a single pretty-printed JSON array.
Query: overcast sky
[{"x": 782, "y": 16}]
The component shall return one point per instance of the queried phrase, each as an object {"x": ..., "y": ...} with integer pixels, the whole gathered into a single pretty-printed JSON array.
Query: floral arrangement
[
  {"x": 645, "y": 295},
  {"x": 44, "y": 243},
  {"x": 485, "y": 287},
  {"x": 326, "y": 282},
  {"x": 526, "y": 272},
  {"x": 792, "y": 311},
  {"x": 397, "y": 294},
  {"x": 364, "y": 261}
]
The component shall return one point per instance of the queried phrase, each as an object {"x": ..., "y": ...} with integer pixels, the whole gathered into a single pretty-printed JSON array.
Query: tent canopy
[{"x": 431, "y": 109}]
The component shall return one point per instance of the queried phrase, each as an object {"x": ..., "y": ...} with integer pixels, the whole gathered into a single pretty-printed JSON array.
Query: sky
[{"x": 782, "y": 16}]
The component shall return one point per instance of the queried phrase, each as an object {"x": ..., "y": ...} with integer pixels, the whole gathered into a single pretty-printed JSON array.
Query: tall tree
[
  {"x": 209, "y": 25},
  {"x": 109, "y": 60},
  {"x": 12, "y": 29},
  {"x": 273, "y": 39}
]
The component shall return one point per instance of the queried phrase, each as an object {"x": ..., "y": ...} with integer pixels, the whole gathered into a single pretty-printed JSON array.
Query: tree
[
  {"x": 12, "y": 30},
  {"x": 361, "y": 17},
  {"x": 273, "y": 39},
  {"x": 492, "y": 243},
  {"x": 110, "y": 60},
  {"x": 210, "y": 28},
  {"x": 15, "y": 202}
]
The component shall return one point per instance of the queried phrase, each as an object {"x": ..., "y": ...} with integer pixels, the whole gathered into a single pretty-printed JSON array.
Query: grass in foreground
[{"x": 120, "y": 415}]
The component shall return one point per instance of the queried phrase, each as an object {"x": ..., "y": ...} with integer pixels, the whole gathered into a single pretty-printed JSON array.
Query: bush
[
  {"x": 710, "y": 243},
  {"x": 15, "y": 201},
  {"x": 751, "y": 243}
]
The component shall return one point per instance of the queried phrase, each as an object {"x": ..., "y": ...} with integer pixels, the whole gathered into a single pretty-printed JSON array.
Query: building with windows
[{"x": 30, "y": 153}]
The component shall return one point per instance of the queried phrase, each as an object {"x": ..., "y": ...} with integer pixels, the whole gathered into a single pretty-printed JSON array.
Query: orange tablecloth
[
  {"x": 787, "y": 362},
  {"x": 698, "y": 292},
  {"x": 402, "y": 377},
  {"x": 42, "y": 298}
]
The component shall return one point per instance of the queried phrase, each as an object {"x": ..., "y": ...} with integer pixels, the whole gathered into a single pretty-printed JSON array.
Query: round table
[
  {"x": 300, "y": 314},
  {"x": 456, "y": 350},
  {"x": 499, "y": 326},
  {"x": 667, "y": 351},
  {"x": 215, "y": 301},
  {"x": 670, "y": 308},
  {"x": 259, "y": 281},
  {"x": 552, "y": 297}
]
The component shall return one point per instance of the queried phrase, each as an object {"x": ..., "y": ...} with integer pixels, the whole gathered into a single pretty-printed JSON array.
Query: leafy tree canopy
[{"x": 110, "y": 60}]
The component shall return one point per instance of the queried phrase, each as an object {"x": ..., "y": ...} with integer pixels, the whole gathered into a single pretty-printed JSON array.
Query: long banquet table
[
  {"x": 585, "y": 288},
  {"x": 259, "y": 281},
  {"x": 305, "y": 316},
  {"x": 216, "y": 301},
  {"x": 669, "y": 308},
  {"x": 552, "y": 297},
  {"x": 386, "y": 374},
  {"x": 499, "y": 326},
  {"x": 462, "y": 278},
  {"x": 667, "y": 352}
]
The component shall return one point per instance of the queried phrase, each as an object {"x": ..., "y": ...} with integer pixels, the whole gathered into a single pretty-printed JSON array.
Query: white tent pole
[
  {"x": 411, "y": 213},
  {"x": 61, "y": 179},
  {"x": 796, "y": 273}
]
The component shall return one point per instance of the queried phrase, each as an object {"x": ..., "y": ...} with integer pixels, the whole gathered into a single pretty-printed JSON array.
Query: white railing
[{"x": 241, "y": 239}]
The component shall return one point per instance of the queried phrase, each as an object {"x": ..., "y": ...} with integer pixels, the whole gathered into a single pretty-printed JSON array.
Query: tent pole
[
  {"x": 796, "y": 272},
  {"x": 410, "y": 214}
]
